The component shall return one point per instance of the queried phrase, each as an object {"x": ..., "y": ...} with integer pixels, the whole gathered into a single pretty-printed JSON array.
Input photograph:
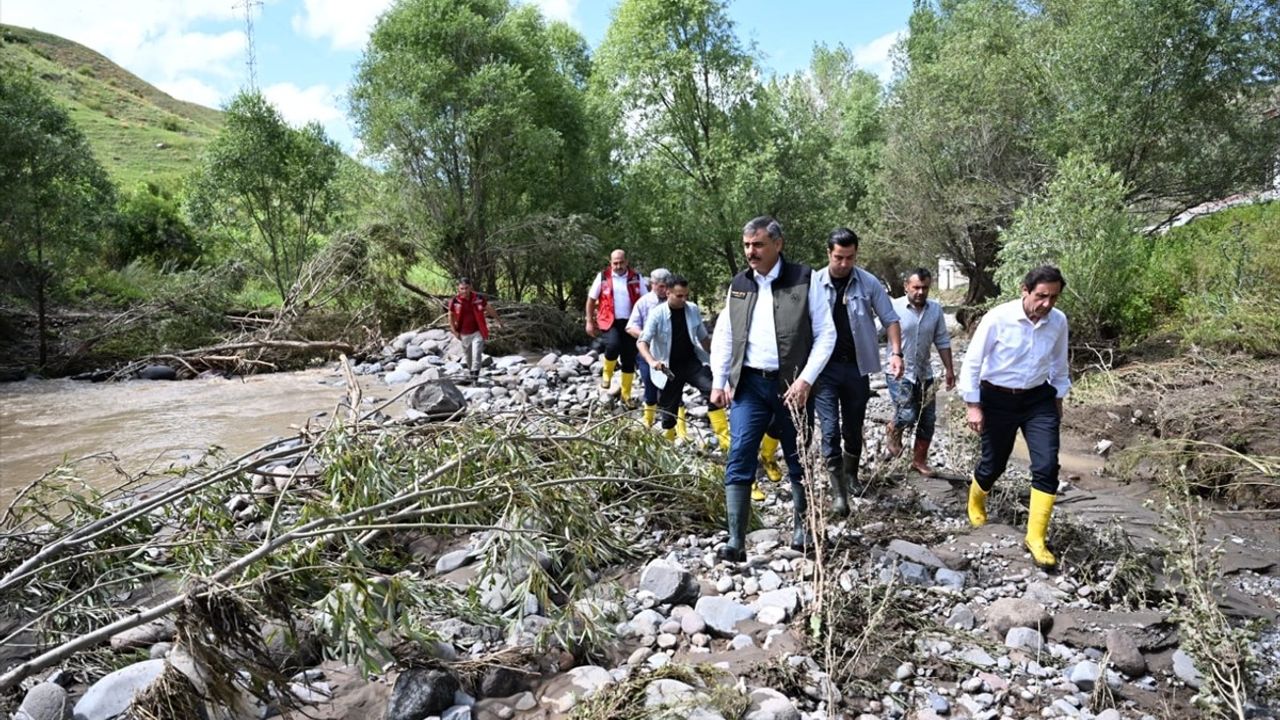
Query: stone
[
  {"x": 501, "y": 681},
  {"x": 757, "y": 537},
  {"x": 1124, "y": 652},
  {"x": 669, "y": 582},
  {"x": 722, "y": 615},
  {"x": 646, "y": 622},
  {"x": 667, "y": 692},
  {"x": 419, "y": 693},
  {"x": 768, "y": 704},
  {"x": 691, "y": 623},
  {"x": 111, "y": 696},
  {"x": 45, "y": 701},
  {"x": 438, "y": 399},
  {"x": 771, "y": 615},
  {"x": 949, "y": 578},
  {"x": 1108, "y": 714},
  {"x": 770, "y": 581},
  {"x": 786, "y": 598},
  {"x": 159, "y": 650},
  {"x": 939, "y": 704},
  {"x": 666, "y": 641},
  {"x": 413, "y": 351},
  {"x": 1085, "y": 675},
  {"x": 457, "y": 712},
  {"x": 1024, "y": 638},
  {"x": 506, "y": 362},
  {"x": 724, "y": 584},
  {"x": 905, "y": 671},
  {"x": 157, "y": 372},
  {"x": 914, "y": 573},
  {"x": 292, "y": 648},
  {"x": 1185, "y": 669},
  {"x": 451, "y": 561},
  {"x": 144, "y": 635},
  {"x": 741, "y": 642},
  {"x": 1007, "y": 613},
  {"x": 638, "y": 656},
  {"x": 397, "y": 377},
  {"x": 961, "y": 617},
  {"x": 915, "y": 553},
  {"x": 978, "y": 656}
]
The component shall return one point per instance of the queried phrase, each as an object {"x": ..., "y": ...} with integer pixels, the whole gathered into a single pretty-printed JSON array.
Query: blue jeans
[
  {"x": 757, "y": 406},
  {"x": 909, "y": 407},
  {"x": 840, "y": 400},
  {"x": 650, "y": 390},
  {"x": 1035, "y": 412}
]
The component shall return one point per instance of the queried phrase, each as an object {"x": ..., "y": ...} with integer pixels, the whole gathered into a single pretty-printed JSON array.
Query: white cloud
[
  {"x": 345, "y": 23},
  {"x": 300, "y": 106},
  {"x": 192, "y": 90},
  {"x": 874, "y": 56},
  {"x": 564, "y": 10}
]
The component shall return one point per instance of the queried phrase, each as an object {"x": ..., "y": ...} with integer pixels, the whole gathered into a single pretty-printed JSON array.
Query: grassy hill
[{"x": 138, "y": 132}]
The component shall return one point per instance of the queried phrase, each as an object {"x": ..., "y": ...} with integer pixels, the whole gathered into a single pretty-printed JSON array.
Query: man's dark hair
[
  {"x": 678, "y": 281},
  {"x": 842, "y": 236},
  {"x": 1043, "y": 274},
  {"x": 920, "y": 272},
  {"x": 764, "y": 222}
]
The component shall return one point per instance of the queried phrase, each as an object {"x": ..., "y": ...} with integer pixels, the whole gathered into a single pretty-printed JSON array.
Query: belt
[
  {"x": 766, "y": 374},
  {"x": 1008, "y": 390}
]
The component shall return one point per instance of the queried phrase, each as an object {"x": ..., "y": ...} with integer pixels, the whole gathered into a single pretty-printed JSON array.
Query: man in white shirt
[
  {"x": 770, "y": 344},
  {"x": 1014, "y": 377},
  {"x": 613, "y": 294}
]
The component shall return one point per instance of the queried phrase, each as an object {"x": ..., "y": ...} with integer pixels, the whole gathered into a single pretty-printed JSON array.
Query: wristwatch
[{"x": 898, "y": 354}]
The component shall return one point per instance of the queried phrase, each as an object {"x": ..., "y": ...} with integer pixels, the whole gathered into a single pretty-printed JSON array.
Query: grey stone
[
  {"x": 413, "y": 352},
  {"x": 667, "y": 692},
  {"x": 451, "y": 561},
  {"x": 397, "y": 377},
  {"x": 761, "y": 536},
  {"x": 1124, "y": 652},
  {"x": 787, "y": 598},
  {"x": 691, "y": 623},
  {"x": 457, "y": 712},
  {"x": 669, "y": 582},
  {"x": 419, "y": 693},
  {"x": 438, "y": 399},
  {"x": 961, "y": 617},
  {"x": 157, "y": 372},
  {"x": 159, "y": 650},
  {"x": 770, "y": 580},
  {"x": 110, "y": 696},
  {"x": 915, "y": 553},
  {"x": 771, "y": 615},
  {"x": 979, "y": 657},
  {"x": 1024, "y": 638},
  {"x": 646, "y": 622},
  {"x": 1185, "y": 669},
  {"x": 904, "y": 671},
  {"x": 949, "y": 578},
  {"x": 939, "y": 704},
  {"x": 1007, "y": 613},
  {"x": 1085, "y": 675},
  {"x": 741, "y": 642},
  {"x": 501, "y": 681},
  {"x": 144, "y": 635},
  {"x": 292, "y": 648},
  {"x": 1108, "y": 714},
  {"x": 722, "y": 614},
  {"x": 666, "y": 641},
  {"x": 914, "y": 573},
  {"x": 638, "y": 656},
  {"x": 45, "y": 701},
  {"x": 768, "y": 704}
]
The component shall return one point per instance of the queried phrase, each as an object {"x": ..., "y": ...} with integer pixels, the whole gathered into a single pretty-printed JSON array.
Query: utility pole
[{"x": 251, "y": 60}]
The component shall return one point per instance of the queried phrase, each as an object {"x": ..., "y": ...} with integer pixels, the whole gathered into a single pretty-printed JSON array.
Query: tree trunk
[{"x": 41, "y": 315}]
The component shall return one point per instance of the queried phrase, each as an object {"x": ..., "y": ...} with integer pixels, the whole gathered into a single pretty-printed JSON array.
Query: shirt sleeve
[
  {"x": 650, "y": 326},
  {"x": 633, "y": 322},
  {"x": 722, "y": 349},
  {"x": 594, "y": 292},
  {"x": 1059, "y": 370},
  {"x": 971, "y": 369},
  {"x": 644, "y": 285},
  {"x": 883, "y": 304},
  {"x": 702, "y": 325},
  {"x": 824, "y": 331},
  {"x": 941, "y": 337}
]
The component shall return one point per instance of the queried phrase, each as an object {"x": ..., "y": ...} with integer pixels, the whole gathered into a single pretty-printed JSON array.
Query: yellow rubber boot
[
  {"x": 628, "y": 378},
  {"x": 977, "y": 504},
  {"x": 669, "y": 434},
  {"x": 769, "y": 458},
  {"x": 757, "y": 494},
  {"x": 1038, "y": 528},
  {"x": 720, "y": 426},
  {"x": 682, "y": 428},
  {"x": 606, "y": 377},
  {"x": 650, "y": 411}
]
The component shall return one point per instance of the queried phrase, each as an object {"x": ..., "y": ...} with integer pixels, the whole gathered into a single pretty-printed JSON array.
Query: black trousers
[
  {"x": 1035, "y": 413},
  {"x": 672, "y": 395},
  {"x": 620, "y": 346}
]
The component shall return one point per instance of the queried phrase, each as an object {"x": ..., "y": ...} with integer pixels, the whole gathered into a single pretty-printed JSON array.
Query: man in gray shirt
[{"x": 923, "y": 326}]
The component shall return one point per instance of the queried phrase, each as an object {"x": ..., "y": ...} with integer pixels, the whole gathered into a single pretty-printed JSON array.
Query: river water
[{"x": 150, "y": 425}]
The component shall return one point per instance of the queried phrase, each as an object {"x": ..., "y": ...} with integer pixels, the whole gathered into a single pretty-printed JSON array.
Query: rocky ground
[{"x": 907, "y": 612}]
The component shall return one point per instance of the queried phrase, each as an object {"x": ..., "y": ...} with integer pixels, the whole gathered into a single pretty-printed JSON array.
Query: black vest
[{"x": 790, "y": 318}]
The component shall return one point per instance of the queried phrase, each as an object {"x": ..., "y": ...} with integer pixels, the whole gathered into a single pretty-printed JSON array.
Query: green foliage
[
  {"x": 150, "y": 226},
  {"x": 269, "y": 189},
  {"x": 1080, "y": 225}
]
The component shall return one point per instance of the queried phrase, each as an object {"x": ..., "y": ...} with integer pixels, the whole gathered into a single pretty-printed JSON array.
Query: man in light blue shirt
[
  {"x": 659, "y": 280},
  {"x": 924, "y": 326}
]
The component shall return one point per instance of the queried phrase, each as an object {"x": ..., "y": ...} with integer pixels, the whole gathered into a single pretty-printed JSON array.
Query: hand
[
  {"x": 895, "y": 366},
  {"x": 798, "y": 393},
  {"x": 973, "y": 416},
  {"x": 659, "y": 366},
  {"x": 592, "y": 330},
  {"x": 951, "y": 380},
  {"x": 720, "y": 398}
]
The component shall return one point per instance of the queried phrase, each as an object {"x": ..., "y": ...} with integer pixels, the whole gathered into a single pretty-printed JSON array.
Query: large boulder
[
  {"x": 420, "y": 693},
  {"x": 438, "y": 399},
  {"x": 46, "y": 701},
  {"x": 1124, "y": 653},
  {"x": 111, "y": 696},
  {"x": 669, "y": 582},
  {"x": 1007, "y": 613},
  {"x": 157, "y": 372}
]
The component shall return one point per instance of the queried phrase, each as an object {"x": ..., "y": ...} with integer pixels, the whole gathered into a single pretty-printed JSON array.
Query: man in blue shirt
[{"x": 924, "y": 326}]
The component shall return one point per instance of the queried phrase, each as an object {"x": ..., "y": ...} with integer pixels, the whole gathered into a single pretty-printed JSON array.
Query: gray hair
[
  {"x": 764, "y": 222},
  {"x": 660, "y": 275}
]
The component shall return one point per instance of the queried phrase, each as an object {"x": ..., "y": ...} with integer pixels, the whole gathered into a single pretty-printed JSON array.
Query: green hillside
[{"x": 138, "y": 132}]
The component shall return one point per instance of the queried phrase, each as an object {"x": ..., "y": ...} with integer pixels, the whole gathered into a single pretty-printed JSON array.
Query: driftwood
[{"x": 227, "y": 356}]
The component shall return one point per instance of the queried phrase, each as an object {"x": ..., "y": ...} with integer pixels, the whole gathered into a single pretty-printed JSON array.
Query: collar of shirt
[{"x": 769, "y": 276}]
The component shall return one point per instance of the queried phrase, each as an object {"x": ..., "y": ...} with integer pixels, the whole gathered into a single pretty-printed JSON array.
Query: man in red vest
[
  {"x": 613, "y": 293},
  {"x": 467, "y": 313}
]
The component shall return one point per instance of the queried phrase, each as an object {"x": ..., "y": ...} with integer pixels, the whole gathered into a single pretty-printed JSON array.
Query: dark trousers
[
  {"x": 1035, "y": 413},
  {"x": 840, "y": 401},
  {"x": 620, "y": 346},
  {"x": 672, "y": 396},
  {"x": 650, "y": 390},
  {"x": 757, "y": 407}
]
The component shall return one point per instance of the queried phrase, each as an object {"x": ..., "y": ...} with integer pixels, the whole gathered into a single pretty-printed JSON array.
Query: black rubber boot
[
  {"x": 852, "y": 487},
  {"x": 839, "y": 491},
  {"x": 800, "y": 538},
  {"x": 737, "y": 500}
]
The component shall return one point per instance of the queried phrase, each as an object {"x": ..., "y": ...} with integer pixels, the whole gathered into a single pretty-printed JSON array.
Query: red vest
[
  {"x": 475, "y": 305},
  {"x": 604, "y": 309}
]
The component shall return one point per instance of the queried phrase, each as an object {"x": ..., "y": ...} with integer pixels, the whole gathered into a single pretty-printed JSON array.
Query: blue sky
[{"x": 307, "y": 49}]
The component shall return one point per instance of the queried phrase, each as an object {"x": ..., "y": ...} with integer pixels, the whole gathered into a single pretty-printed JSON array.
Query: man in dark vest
[
  {"x": 613, "y": 294},
  {"x": 770, "y": 344}
]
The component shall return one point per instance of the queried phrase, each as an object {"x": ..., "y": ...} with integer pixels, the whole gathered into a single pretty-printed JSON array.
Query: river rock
[
  {"x": 500, "y": 681},
  {"x": 438, "y": 399},
  {"x": 419, "y": 693},
  {"x": 397, "y": 377},
  {"x": 787, "y": 598},
  {"x": 110, "y": 697},
  {"x": 722, "y": 614},
  {"x": 646, "y": 622},
  {"x": 292, "y": 648},
  {"x": 1185, "y": 669},
  {"x": 157, "y": 372},
  {"x": 506, "y": 362},
  {"x": 667, "y": 692},
  {"x": 413, "y": 351},
  {"x": 669, "y": 582},
  {"x": 45, "y": 701},
  {"x": 144, "y": 635},
  {"x": 961, "y": 617},
  {"x": 1125, "y": 655},
  {"x": 1007, "y": 613},
  {"x": 1024, "y": 638},
  {"x": 769, "y": 704},
  {"x": 916, "y": 553},
  {"x": 691, "y": 623},
  {"x": 1085, "y": 675},
  {"x": 946, "y": 577}
]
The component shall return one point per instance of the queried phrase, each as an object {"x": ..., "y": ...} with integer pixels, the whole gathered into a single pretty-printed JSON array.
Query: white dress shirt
[
  {"x": 1009, "y": 350},
  {"x": 621, "y": 298},
  {"x": 762, "y": 337}
]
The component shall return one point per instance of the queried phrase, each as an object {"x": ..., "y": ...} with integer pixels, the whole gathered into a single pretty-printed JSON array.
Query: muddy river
[{"x": 149, "y": 425}]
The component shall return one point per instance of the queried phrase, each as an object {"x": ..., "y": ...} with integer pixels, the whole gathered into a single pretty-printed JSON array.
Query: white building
[{"x": 949, "y": 276}]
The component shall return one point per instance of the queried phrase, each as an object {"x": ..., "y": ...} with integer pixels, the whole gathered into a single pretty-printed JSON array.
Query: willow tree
[{"x": 476, "y": 108}]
